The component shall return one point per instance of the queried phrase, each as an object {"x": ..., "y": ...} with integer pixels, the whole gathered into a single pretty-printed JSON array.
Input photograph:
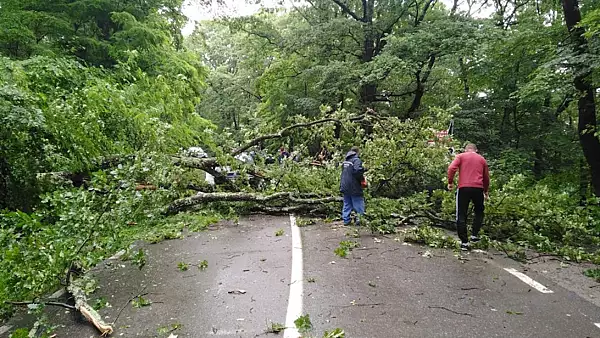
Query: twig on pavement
[{"x": 450, "y": 310}]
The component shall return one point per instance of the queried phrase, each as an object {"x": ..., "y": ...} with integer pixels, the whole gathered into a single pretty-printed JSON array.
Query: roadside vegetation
[{"x": 99, "y": 101}]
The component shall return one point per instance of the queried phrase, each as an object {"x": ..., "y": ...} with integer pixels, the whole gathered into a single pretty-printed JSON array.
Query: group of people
[
  {"x": 323, "y": 156},
  {"x": 473, "y": 186}
]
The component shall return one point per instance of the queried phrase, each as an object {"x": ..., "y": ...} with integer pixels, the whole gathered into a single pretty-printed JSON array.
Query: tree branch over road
[
  {"x": 348, "y": 11},
  {"x": 287, "y": 197},
  {"x": 287, "y": 130}
]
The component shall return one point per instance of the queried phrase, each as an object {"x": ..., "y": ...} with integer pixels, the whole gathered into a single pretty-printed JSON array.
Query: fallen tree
[
  {"x": 287, "y": 130},
  {"x": 291, "y": 201}
]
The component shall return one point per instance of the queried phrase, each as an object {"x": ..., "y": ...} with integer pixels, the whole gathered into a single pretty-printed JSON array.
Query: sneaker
[
  {"x": 475, "y": 239},
  {"x": 465, "y": 247}
]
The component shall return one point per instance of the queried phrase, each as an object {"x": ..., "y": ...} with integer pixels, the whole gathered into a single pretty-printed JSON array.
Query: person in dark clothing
[
  {"x": 350, "y": 186},
  {"x": 283, "y": 154},
  {"x": 473, "y": 186}
]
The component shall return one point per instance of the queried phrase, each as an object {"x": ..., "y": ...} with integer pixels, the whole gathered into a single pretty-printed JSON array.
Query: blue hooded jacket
[{"x": 352, "y": 174}]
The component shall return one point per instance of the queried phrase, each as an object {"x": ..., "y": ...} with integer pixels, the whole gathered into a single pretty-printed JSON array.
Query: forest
[{"x": 101, "y": 102}]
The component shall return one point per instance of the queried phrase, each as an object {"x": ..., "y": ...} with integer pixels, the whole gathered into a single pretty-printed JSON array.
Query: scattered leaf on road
[{"x": 203, "y": 265}]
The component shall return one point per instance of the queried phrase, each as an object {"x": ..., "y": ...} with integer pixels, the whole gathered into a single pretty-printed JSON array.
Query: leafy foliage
[
  {"x": 96, "y": 95},
  {"x": 593, "y": 273},
  {"x": 275, "y": 328},
  {"x": 140, "y": 302},
  {"x": 345, "y": 247},
  {"x": 335, "y": 333},
  {"x": 183, "y": 266},
  {"x": 429, "y": 236},
  {"x": 203, "y": 265},
  {"x": 303, "y": 324}
]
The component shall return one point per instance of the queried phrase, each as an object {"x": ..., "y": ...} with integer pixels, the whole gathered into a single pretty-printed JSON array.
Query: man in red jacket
[{"x": 473, "y": 185}]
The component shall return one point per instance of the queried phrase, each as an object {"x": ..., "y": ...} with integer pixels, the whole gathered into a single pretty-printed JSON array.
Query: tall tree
[{"x": 586, "y": 105}]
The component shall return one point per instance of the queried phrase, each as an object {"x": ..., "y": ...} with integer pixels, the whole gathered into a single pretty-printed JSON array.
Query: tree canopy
[{"x": 99, "y": 101}]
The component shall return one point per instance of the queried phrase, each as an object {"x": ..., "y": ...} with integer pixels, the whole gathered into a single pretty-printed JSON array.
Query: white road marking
[
  {"x": 527, "y": 280},
  {"x": 597, "y": 324},
  {"x": 294, "y": 309}
]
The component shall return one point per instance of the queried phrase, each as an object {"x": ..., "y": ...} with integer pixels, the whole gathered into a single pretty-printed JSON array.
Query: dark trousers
[{"x": 463, "y": 197}]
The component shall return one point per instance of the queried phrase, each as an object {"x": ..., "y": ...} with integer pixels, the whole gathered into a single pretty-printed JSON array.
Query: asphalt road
[{"x": 384, "y": 288}]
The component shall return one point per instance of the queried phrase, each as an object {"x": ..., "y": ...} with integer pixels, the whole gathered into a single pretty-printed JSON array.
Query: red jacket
[{"x": 472, "y": 171}]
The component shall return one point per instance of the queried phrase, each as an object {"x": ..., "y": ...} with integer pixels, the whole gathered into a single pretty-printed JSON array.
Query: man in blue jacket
[{"x": 350, "y": 186}]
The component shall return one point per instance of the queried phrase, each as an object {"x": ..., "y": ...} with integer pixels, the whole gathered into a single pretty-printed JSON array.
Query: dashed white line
[
  {"x": 527, "y": 280},
  {"x": 597, "y": 324},
  {"x": 294, "y": 309}
]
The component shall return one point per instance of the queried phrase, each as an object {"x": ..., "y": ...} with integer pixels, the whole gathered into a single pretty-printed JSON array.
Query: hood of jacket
[{"x": 351, "y": 154}]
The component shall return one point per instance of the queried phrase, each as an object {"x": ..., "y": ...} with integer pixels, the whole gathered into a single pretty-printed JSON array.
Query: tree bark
[
  {"x": 282, "y": 197},
  {"x": 587, "y": 126},
  {"x": 420, "y": 90},
  {"x": 87, "y": 311},
  {"x": 287, "y": 130},
  {"x": 463, "y": 76}
]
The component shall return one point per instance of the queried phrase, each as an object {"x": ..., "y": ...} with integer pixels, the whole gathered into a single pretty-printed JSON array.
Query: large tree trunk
[
  {"x": 420, "y": 90},
  {"x": 368, "y": 90},
  {"x": 589, "y": 142},
  {"x": 587, "y": 126},
  {"x": 277, "y": 201}
]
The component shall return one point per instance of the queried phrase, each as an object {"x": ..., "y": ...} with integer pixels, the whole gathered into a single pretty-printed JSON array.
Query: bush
[
  {"x": 79, "y": 225},
  {"x": 540, "y": 215}
]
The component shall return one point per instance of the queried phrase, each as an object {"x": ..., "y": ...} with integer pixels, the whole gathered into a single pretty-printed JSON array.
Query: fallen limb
[
  {"x": 22, "y": 303},
  {"x": 287, "y": 130},
  {"x": 193, "y": 162},
  {"x": 208, "y": 165},
  {"x": 437, "y": 221},
  {"x": 322, "y": 200},
  {"x": 201, "y": 197},
  {"x": 283, "y": 132},
  {"x": 86, "y": 310},
  {"x": 293, "y": 209}
]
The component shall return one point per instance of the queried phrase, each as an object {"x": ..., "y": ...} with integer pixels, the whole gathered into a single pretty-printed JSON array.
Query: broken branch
[
  {"x": 283, "y": 132},
  {"x": 450, "y": 310},
  {"x": 202, "y": 197},
  {"x": 87, "y": 311},
  {"x": 71, "y": 307}
]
